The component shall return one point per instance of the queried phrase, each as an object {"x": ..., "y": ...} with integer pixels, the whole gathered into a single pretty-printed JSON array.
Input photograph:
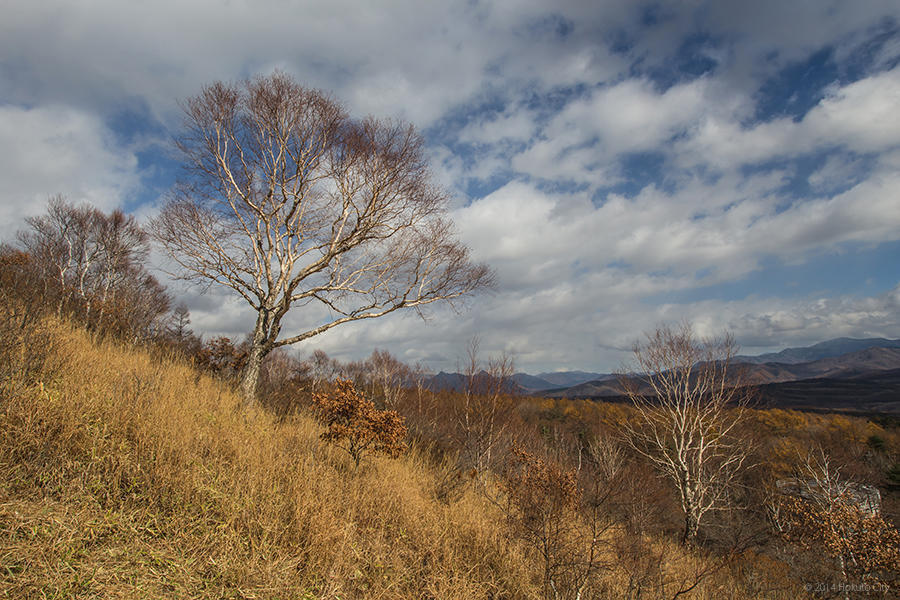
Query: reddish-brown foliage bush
[
  {"x": 221, "y": 356},
  {"x": 863, "y": 545},
  {"x": 356, "y": 426}
]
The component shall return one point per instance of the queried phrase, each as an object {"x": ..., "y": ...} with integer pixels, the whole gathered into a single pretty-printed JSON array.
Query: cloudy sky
[{"x": 620, "y": 164}]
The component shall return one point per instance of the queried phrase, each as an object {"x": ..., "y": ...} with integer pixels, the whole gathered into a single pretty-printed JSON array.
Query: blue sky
[{"x": 620, "y": 164}]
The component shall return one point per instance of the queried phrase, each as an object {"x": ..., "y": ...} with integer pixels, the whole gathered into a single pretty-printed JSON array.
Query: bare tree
[
  {"x": 89, "y": 259},
  {"x": 63, "y": 244},
  {"x": 689, "y": 402},
  {"x": 482, "y": 417},
  {"x": 181, "y": 318},
  {"x": 122, "y": 248},
  {"x": 420, "y": 374},
  {"x": 322, "y": 369},
  {"x": 388, "y": 376},
  {"x": 288, "y": 201}
]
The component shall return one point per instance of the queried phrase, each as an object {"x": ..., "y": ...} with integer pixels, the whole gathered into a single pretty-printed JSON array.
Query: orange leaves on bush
[
  {"x": 536, "y": 485},
  {"x": 863, "y": 544},
  {"x": 355, "y": 425}
]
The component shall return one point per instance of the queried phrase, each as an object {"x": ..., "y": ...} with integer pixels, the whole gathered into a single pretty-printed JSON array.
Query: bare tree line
[{"x": 94, "y": 263}]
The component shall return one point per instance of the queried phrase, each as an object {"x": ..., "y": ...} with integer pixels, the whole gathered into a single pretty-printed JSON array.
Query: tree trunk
[
  {"x": 250, "y": 376},
  {"x": 259, "y": 347},
  {"x": 691, "y": 527}
]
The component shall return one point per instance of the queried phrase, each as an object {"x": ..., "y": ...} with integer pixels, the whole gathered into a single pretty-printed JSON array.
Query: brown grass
[{"x": 127, "y": 475}]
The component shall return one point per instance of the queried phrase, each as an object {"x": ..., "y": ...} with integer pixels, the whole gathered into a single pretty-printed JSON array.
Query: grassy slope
[{"x": 124, "y": 475}]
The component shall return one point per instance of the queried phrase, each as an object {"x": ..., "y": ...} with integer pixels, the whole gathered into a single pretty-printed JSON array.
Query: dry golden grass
[{"x": 124, "y": 475}]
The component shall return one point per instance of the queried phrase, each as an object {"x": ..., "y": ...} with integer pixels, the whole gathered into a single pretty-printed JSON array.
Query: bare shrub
[{"x": 561, "y": 523}]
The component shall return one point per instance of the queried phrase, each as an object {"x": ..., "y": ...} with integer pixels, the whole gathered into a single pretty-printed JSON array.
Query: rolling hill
[
  {"x": 828, "y": 349},
  {"x": 864, "y": 380}
]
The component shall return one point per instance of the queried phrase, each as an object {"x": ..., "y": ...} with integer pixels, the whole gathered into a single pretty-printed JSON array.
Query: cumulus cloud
[
  {"x": 58, "y": 150},
  {"x": 776, "y": 323},
  {"x": 591, "y": 132},
  {"x": 858, "y": 117}
]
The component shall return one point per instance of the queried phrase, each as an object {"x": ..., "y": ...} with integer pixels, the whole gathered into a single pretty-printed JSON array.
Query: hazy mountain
[
  {"x": 833, "y": 360},
  {"x": 847, "y": 365},
  {"x": 457, "y": 382},
  {"x": 589, "y": 389},
  {"x": 867, "y": 380},
  {"x": 527, "y": 382},
  {"x": 570, "y": 378},
  {"x": 446, "y": 381},
  {"x": 827, "y": 349},
  {"x": 531, "y": 383}
]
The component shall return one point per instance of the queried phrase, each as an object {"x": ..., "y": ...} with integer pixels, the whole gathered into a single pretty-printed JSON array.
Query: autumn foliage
[
  {"x": 863, "y": 545},
  {"x": 354, "y": 424}
]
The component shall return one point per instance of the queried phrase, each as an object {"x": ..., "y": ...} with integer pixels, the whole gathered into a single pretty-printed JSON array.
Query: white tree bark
[{"x": 689, "y": 400}]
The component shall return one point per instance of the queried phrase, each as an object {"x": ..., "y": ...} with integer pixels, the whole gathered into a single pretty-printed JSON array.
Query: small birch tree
[{"x": 689, "y": 400}]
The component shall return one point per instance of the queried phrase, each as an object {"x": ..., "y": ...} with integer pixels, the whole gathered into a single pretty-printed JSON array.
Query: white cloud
[
  {"x": 58, "y": 150},
  {"x": 591, "y": 132},
  {"x": 859, "y": 117},
  {"x": 773, "y": 323},
  {"x": 837, "y": 172},
  {"x": 862, "y": 115},
  {"x": 516, "y": 125}
]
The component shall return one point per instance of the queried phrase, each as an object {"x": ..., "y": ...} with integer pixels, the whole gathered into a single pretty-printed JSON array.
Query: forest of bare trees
[{"x": 94, "y": 264}]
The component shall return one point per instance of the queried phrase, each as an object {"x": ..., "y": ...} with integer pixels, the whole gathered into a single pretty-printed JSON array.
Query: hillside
[
  {"x": 866, "y": 393},
  {"x": 860, "y": 381},
  {"x": 124, "y": 474},
  {"x": 853, "y": 364},
  {"x": 826, "y": 349},
  {"x": 127, "y": 473},
  {"x": 838, "y": 358}
]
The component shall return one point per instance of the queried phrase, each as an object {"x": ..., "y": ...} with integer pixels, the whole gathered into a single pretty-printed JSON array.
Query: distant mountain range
[
  {"x": 861, "y": 375},
  {"x": 829, "y": 349},
  {"x": 528, "y": 384}
]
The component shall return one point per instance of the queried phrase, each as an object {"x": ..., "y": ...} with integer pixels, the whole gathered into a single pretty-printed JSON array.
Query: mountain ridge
[
  {"x": 834, "y": 378},
  {"x": 827, "y": 349}
]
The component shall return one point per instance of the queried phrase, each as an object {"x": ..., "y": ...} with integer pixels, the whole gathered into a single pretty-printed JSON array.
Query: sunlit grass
[{"x": 130, "y": 475}]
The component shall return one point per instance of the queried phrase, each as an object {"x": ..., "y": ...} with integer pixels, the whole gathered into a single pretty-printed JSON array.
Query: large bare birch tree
[
  {"x": 290, "y": 202},
  {"x": 690, "y": 400}
]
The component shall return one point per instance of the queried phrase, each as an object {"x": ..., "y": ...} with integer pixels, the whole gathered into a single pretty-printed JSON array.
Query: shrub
[
  {"x": 543, "y": 506},
  {"x": 356, "y": 426}
]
